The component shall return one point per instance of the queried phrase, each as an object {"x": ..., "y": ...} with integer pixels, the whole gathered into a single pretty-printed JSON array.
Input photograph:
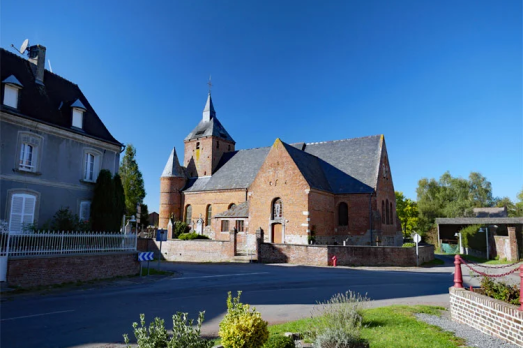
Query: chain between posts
[{"x": 489, "y": 275}]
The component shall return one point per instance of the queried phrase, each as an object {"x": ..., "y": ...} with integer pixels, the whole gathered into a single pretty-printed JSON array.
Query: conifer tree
[
  {"x": 119, "y": 201},
  {"x": 132, "y": 180},
  {"x": 102, "y": 205}
]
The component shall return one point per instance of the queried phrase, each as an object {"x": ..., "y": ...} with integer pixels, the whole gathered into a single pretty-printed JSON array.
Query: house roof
[
  {"x": 50, "y": 103},
  {"x": 490, "y": 212},
  {"x": 238, "y": 211},
  {"x": 342, "y": 166},
  {"x": 479, "y": 221}
]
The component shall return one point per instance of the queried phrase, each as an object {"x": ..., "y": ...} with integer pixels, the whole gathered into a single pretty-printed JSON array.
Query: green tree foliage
[
  {"x": 519, "y": 205},
  {"x": 451, "y": 197},
  {"x": 468, "y": 237},
  {"x": 407, "y": 210},
  {"x": 144, "y": 215},
  {"x": 132, "y": 180},
  {"x": 119, "y": 200},
  {"x": 102, "y": 205}
]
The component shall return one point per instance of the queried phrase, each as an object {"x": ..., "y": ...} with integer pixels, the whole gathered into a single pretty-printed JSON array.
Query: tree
[
  {"x": 144, "y": 215},
  {"x": 519, "y": 205},
  {"x": 102, "y": 205},
  {"x": 132, "y": 180},
  {"x": 119, "y": 200},
  {"x": 408, "y": 214}
]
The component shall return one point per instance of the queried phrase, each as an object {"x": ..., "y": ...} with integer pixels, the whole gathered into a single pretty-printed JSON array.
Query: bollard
[
  {"x": 521, "y": 288},
  {"x": 458, "y": 278},
  {"x": 334, "y": 261}
]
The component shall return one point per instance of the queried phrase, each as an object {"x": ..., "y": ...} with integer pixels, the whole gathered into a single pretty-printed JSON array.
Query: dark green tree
[
  {"x": 144, "y": 215},
  {"x": 102, "y": 206},
  {"x": 119, "y": 201},
  {"x": 132, "y": 180}
]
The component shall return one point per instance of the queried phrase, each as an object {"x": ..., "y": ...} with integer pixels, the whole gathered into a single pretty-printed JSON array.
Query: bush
[
  {"x": 336, "y": 338},
  {"x": 184, "y": 334},
  {"x": 279, "y": 342},
  {"x": 338, "y": 320},
  {"x": 500, "y": 291},
  {"x": 409, "y": 245},
  {"x": 191, "y": 236},
  {"x": 180, "y": 227},
  {"x": 242, "y": 327}
]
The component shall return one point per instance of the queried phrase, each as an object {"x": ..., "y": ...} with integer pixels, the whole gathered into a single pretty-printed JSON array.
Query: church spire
[{"x": 208, "y": 111}]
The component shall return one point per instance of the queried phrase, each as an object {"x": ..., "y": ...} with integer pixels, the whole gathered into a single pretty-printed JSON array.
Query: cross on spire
[{"x": 210, "y": 84}]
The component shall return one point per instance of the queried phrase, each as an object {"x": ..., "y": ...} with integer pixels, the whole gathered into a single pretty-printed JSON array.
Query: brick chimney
[{"x": 37, "y": 58}]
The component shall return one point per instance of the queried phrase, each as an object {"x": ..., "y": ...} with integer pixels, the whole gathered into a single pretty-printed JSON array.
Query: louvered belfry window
[{"x": 22, "y": 212}]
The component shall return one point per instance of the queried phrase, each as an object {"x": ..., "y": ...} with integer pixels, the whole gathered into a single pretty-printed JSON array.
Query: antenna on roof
[
  {"x": 23, "y": 48},
  {"x": 50, "y": 67}
]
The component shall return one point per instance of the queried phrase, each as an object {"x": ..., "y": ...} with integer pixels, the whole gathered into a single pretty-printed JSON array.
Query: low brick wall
[
  {"x": 49, "y": 270},
  {"x": 490, "y": 316},
  {"x": 198, "y": 250},
  {"x": 320, "y": 255}
]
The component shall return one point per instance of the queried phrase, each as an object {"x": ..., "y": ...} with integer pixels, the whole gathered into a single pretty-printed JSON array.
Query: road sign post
[
  {"x": 161, "y": 236},
  {"x": 417, "y": 238},
  {"x": 147, "y": 256}
]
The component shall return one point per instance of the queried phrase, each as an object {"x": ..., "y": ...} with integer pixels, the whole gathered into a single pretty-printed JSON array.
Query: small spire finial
[{"x": 210, "y": 84}]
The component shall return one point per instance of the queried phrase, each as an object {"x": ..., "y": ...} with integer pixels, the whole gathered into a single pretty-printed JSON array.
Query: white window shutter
[
  {"x": 11, "y": 96},
  {"x": 17, "y": 211},
  {"x": 29, "y": 209},
  {"x": 78, "y": 118}
]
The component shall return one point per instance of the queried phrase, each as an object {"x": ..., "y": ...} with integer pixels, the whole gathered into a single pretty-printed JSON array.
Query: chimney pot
[{"x": 37, "y": 58}]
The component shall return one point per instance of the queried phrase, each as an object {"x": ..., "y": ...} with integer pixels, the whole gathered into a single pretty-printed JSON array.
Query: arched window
[
  {"x": 188, "y": 214},
  {"x": 391, "y": 215},
  {"x": 383, "y": 212},
  {"x": 232, "y": 205},
  {"x": 209, "y": 215},
  {"x": 387, "y": 208},
  {"x": 277, "y": 209},
  {"x": 343, "y": 214}
]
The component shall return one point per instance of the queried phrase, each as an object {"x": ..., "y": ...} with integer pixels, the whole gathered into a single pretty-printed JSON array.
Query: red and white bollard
[
  {"x": 458, "y": 278},
  {"x": 521, "y": 288},
  {"x": 334, "y": 261}
]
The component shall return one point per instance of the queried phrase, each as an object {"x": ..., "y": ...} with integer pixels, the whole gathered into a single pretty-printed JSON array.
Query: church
[{"x": 332, "y": 192}]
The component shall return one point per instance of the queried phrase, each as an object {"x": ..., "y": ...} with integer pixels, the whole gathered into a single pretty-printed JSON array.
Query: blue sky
[{"x": 442, "y": 80}]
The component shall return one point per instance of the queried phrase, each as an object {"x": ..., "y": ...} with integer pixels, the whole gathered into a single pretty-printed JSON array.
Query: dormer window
[
  {"x": 78, "y": 114},
  {"x": 11, "y": 88}
]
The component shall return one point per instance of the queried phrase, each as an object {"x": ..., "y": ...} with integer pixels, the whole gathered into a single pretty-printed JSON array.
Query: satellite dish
[{"x": 24, "y": 46}]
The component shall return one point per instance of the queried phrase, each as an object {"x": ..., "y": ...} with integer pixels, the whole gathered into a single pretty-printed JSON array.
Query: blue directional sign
[
  {"x": 161, "y": 235},
  {"x": 146, "y": 256}
]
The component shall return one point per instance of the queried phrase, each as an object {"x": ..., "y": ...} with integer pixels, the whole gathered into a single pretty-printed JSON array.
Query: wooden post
[{"x": 458, "y": 277}]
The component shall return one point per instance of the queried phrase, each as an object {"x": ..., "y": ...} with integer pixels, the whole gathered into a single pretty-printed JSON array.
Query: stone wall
[
  {"x": 490, "y": 316},
  {"x": 49, "y": 270},
  {"x": 321, "y": 255}
]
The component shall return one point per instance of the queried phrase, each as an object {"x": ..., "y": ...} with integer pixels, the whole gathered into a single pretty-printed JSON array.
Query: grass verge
[
  {"x": 154, "y": 271},
  {"x": 435, "y": 262},
  {"x": 392, "y": 326}
]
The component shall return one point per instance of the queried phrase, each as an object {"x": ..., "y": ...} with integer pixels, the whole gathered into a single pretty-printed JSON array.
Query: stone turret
[{"x": 172, "y": 181}]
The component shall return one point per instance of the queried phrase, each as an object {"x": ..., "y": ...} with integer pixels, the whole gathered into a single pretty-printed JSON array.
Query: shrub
[
  {"x": 242, "y": 327},
  {"x": 409, "y": 245},
  {"x": 191, "y": 236},
  {"x": 179, "y": 228},
  {"x": 500, "y": 290},
  {"x": 341, "y": 318},
  {"x": 184, "y": 334},
  {"x": 336, "y": 338},
  {"x": 279, "y": 342},
  {"x": 467, "y": 236}
]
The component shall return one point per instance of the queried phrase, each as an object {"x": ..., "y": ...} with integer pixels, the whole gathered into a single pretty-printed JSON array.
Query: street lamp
[
  {"x": 481, "y": 230},
  {"x": 458, "y": 234}
]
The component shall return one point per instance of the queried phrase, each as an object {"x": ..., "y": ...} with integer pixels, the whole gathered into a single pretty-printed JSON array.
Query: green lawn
[
  {"x": 489, "y": 262},
  {"x": 435, "y": 262},
  {"x": 393, "y": 326}
]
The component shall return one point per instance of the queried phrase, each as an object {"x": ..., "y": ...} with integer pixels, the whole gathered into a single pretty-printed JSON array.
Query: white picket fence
[{"x": 64, "y": 243}]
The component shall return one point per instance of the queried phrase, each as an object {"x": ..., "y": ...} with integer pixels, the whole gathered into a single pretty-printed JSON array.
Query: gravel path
[{"x": 474, "y": 338}]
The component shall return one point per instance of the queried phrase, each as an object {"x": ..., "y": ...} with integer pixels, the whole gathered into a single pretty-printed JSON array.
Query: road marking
[
  {"x": 37, "y": 315},
  {"x": 221, "y": 275}
]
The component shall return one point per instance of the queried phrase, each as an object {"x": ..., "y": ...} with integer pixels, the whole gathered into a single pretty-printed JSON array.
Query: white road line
[
  {"x": 220, "y": 275},
  {"x": 37, "y": 315}
]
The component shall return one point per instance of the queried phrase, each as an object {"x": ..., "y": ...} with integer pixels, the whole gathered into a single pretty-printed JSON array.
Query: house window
[
  {"x": 383, "y": 212},
  {"x": 85, "y": 210},
  {"x": 22, "y": 211},
  {"x": 391, "y": 215},
  {"x": 188, "y": 214},
  {"x": 27, "y": 157},
  {"x": 387, "y": 209},
  {"x": 197, "y": 145},
  {"x": 343, "y": 214},
  {"x": 232, "y": 205},
  {"x": 11, "y": 96},
  {"x": 209, "y": 215},
  {"x": 89, "y": 167},
  {"x": 239, "y": 226},
  {"x": 78, "y": 118},
  {"x": 277, "y": 209},
  {"x": 225, "y": 225}
]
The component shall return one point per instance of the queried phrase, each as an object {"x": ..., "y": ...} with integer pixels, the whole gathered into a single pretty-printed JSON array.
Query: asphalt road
[{"x": 97, "y": 317}]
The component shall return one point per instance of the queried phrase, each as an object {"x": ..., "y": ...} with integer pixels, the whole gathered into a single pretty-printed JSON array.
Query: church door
[{"x": 277, "y": 233}]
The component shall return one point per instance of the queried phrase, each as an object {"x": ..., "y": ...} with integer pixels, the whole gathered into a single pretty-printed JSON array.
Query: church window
[
  {"x": 391, "y": 215},
  {"x": 239, "y": 225},
  {"x": 343, "y": 214},
  {"x": 225, "y": 225},
  {"x": 208, "y": 216},
  {"x": 277, "y": 209},
  {"x": 383, "y": 212},
  {"x": 197, "y": 145},
  {"x": 188, "y": 214},
  {"x": 232, "y": 205},
  {"x": 387, "y": 209},
  {"x": 217, "y": 144},
  {"x": 228, "y": 147}
]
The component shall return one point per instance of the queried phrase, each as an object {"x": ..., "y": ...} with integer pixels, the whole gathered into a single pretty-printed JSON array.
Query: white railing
[{"x": 64, "y": 243}]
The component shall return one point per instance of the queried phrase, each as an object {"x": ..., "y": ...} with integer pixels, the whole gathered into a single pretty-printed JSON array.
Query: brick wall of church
[
  {"x": 170, "y": 199},
  {"x": 220, "y": 201},
  {"x": 385, "y": 191},
  {"x": 279, "y": 177},
  {"x": 203, "y": 161}
]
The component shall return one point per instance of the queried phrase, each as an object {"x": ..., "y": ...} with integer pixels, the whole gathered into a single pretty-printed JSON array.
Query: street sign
[
  {"x": 416, "y": 238},
  {"x": 149, "y": 256},
  {"x": 161, "y": 235}
]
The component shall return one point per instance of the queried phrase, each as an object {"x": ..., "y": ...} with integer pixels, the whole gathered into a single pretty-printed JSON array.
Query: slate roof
[
  {"x": 172, "y": 167},
  {"x": 491, "y": 212},
  {"x": 239, "y": 211},
  {"x": 479, "y": 221},
  {"x": 209, "y": 125},
  {"x": 50, "y": 103},
  {"x": 342, "y": 166}
]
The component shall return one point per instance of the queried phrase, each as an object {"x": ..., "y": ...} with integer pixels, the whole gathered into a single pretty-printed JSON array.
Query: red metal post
[
  {"x": 458, "y": 278},
  {"x": 334, "y": 261},
  {"x": 521, "y": 288}
]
